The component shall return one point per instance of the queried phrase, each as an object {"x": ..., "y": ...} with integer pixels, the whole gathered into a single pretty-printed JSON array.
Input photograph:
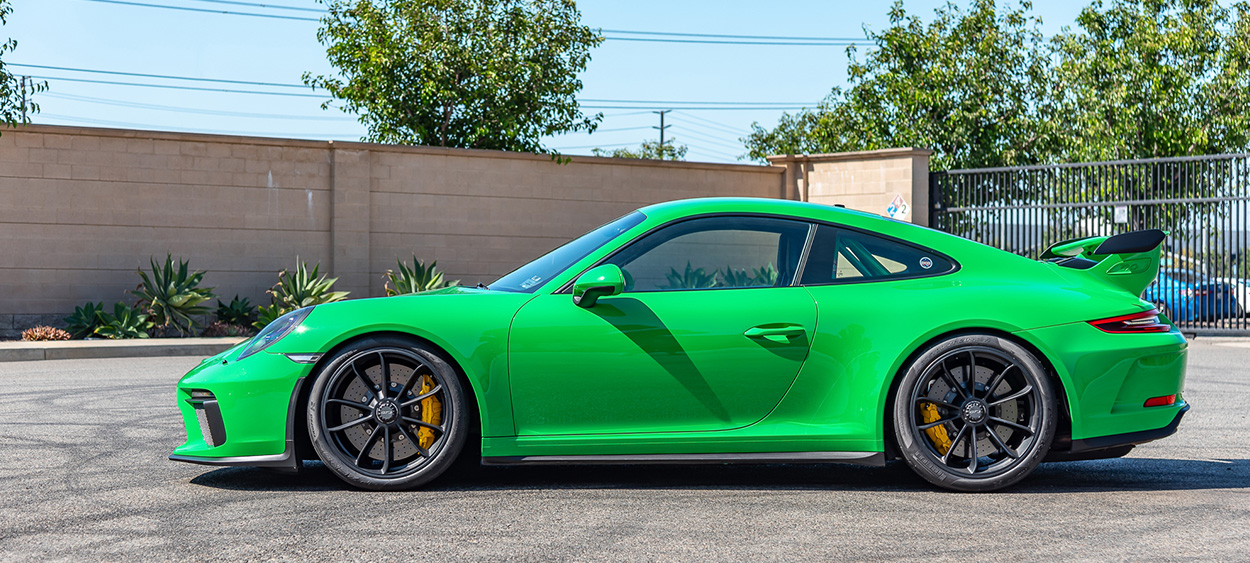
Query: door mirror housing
[{"x": 600, "y": 281}]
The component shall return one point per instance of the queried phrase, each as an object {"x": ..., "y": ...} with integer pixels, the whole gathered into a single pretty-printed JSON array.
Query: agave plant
[
  {"x": 693, "y": 278},
  {"x": 85, "y": 320},
  {"x": 239, "y": 312},
  {"x": 299, "y": 289},
  {"x": 125, "y": 322},
  {"x": 766, "y": 276},
  {"x": 416, "y": 279},
  {"x": 736, "y": 278},
  {"x": 171, "y": 296}
]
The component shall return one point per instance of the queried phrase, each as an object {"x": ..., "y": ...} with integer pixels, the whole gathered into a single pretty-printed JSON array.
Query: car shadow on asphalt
[{"x": 1127, "y": 474}]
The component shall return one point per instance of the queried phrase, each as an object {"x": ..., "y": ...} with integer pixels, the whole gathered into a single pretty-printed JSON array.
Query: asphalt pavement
[{"x": 84, "y": 476}]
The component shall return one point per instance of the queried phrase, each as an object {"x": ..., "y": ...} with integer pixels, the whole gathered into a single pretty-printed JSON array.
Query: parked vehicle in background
[
  {"x": 1241, "y": 293},
  {"x": 1184, "y": 295}
]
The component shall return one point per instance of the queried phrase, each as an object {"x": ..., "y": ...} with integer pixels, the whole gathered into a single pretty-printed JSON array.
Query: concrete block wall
[
  {"x": 81, "y": 209},
  {"x": 865, "y": 180}
]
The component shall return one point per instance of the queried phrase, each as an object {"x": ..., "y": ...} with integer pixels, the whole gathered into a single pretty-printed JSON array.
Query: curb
[{"x": 137, "y": 348}]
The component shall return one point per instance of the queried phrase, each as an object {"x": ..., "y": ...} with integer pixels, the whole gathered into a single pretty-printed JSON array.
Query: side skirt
[{"x": 876, "y": 459}]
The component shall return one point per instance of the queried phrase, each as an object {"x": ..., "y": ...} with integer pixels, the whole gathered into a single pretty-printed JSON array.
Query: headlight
[{"x": 274, "y": 332}]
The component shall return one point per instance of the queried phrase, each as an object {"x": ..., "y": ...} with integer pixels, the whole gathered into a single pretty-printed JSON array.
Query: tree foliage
[
  {"x": 13, "y": 91},
  {"x": 982, "y": 87},
  {"x": 485, "y": 74},
  {"x": 649, "y": 150},
  {"x": 1153, "y": 78}
]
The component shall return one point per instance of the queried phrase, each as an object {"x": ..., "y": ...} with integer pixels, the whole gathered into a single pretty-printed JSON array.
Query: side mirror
[{"x": 600, "y": 281}]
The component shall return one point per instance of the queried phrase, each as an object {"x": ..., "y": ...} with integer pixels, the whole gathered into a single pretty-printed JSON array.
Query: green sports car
[{"x": 718, "y": 331}]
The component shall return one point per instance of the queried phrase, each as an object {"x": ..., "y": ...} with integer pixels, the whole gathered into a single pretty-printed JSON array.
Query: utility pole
[{"x": 662, "y": 127}]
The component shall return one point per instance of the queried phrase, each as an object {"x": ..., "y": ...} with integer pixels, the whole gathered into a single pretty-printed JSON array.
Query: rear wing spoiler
[{"x": 1129, "y": 261}]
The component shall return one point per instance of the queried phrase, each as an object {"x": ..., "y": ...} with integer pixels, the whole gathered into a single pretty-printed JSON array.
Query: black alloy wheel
[
  {"x": 386, "y": 414},
  {"x": 975, "y": 413}
]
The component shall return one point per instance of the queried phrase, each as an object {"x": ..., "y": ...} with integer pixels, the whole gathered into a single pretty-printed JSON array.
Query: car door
[{"x": 708, "y": 335}]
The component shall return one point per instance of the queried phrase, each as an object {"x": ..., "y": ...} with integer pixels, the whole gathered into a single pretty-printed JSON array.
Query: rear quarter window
[{"x": 845, "y": 256}]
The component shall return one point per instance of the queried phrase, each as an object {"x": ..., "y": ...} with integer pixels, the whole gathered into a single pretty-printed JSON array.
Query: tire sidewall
[
  {"x": 916, "y": 454},
  {"x": 446, "y": 455}
]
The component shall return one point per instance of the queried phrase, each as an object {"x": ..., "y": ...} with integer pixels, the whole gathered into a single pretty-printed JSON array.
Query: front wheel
[
  {"x": 387, "y": 414},
  {"x": 974, "y": 413}
]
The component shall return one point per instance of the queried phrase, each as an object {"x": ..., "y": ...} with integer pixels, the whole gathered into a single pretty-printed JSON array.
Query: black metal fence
[{"x": 1201, "y": 201}]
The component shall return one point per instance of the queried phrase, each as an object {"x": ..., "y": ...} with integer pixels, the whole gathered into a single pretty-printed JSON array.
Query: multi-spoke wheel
[
  {"x": 386, "y": 414},
  {"x": 974, "y": 413}
]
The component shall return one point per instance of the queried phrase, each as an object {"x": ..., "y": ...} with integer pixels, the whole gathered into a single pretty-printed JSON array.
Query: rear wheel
[
  {"x": 974, "y": 413},
  {"x": 387, "y": 414}
]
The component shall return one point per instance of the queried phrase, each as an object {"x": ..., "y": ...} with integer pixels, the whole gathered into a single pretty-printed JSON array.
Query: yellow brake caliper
[
  {"x": 937, "y": 434},
  {"x": 431, "y": 413}
]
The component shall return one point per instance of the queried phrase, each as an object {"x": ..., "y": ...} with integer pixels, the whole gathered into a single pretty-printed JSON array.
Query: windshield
[{"x": 530, "y": 277}]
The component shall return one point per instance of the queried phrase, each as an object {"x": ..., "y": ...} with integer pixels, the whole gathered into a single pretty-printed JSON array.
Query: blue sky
[{"x": 86, "y": 34}]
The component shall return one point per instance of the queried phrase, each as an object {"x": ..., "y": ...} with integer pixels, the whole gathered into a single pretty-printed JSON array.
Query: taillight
[
  {"x": 1164, "y": 401},
  {"x": 1146, "y": 321}
]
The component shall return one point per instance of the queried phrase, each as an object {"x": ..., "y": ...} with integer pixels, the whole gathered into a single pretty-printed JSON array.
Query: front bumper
[{"x": 241, "y": 412}]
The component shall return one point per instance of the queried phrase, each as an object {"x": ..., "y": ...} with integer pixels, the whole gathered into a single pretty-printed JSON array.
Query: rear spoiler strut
[{"x": 1129, "y": 261}]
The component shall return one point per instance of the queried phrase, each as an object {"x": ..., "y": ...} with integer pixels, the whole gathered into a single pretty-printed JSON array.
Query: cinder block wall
[
  {"x": 82, "y": 208},
  {"x": 865, "y": 180}
]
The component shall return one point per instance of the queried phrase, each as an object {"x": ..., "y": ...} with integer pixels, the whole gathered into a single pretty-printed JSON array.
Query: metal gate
[{"x": 1201, "y": 202}]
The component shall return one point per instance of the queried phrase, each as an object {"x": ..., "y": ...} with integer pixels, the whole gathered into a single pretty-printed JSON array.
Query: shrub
[
  {"x": 415, "y": 279},
  {"x": 85, "y": 320},
  {"x": 296, "y": 290},
  {"x": 125, "y": 322},
  {"x": 218, "y": 328},
  {"x": 239, "y": 312},
  {"x": 44, "y": 333},
  {"x": 172, "y": 296}
]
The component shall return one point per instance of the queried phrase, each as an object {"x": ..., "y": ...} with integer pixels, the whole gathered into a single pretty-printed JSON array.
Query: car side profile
[
  {"x": 1188, "y": 296},
  {"x": 717, "y": 331}
]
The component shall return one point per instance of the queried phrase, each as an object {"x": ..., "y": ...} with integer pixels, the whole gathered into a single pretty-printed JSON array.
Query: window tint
[
  {"x": 843, "y": 255},
  {"x": 714, "y": 252}
]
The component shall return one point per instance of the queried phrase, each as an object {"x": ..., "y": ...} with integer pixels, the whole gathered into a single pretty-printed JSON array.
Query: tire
[
  {"x": 980, "y": 441},
  {"x": 387, "y": 435}
]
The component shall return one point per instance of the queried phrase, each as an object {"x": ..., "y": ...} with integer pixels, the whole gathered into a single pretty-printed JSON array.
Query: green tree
[
  {"x": 14, "y": 92},
  {"x": 649, "y": 150},
  {"x": 967, "y": 85},
  {"x": 1154, "y": 78},
  {"x": 485, "y": 74}
]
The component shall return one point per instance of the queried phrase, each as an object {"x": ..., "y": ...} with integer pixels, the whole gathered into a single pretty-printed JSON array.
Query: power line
[
  {"x": 708, "y": 139},
  {"x": 646, "y": 36},
  {"x": 728, "y": 128},
  {"x": 255, "y": 5},
  {"x": 162, "y": 76},
  {"x": 181, "y": 87},
  {"x": 137, "y": 105},
  {"x": 204, "y": 10},
  {"x": 708, "y": 130},
  {"x": 315, "y": 136}
]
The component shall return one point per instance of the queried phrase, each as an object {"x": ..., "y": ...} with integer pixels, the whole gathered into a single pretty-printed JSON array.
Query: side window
[
  {"x": 714, "y": 252},
  {"x": 839, "y": 255}
]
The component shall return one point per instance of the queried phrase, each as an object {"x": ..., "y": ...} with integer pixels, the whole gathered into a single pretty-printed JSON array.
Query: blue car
[{"x": 1186, "y": 296}]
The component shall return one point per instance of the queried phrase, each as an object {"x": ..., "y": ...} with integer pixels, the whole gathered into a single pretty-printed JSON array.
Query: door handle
[{"x": 781, "y": 332}]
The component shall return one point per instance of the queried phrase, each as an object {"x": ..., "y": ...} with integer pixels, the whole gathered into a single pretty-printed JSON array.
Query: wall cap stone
[
  {"x": 783, "y": 159},
  {"x": 376, "y": 147}
]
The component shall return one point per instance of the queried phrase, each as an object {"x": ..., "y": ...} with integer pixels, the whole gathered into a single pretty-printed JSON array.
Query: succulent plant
[
  {"x": 766, "y": 276},
  {"x": 692, "y": 278},
  {"x": 238, "y": 312},
  {"x": 125, "y": 322},
  {"x": 415, "y": 279},
  {"x": 44, "y": 333},
  {"x": 219, "y": 328},
  {"x": 735, "y": 278},
  {"x": 85, "y": 320},
  {"x": 299, "y": 289},
  {"x": 171, "y": 296}
]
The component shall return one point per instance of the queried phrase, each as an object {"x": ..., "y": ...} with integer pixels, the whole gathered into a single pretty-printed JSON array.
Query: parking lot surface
[{"x": 83, "y": 446}]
